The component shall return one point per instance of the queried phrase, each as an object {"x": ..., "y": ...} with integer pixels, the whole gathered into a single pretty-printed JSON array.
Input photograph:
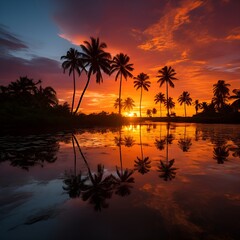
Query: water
[{"x": 156, "y": 181}]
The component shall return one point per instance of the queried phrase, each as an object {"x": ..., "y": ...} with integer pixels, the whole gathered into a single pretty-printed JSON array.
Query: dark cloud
[{"x": 9, "y": 41}]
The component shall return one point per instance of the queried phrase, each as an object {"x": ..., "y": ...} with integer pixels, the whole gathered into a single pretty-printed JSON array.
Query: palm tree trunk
[
  {"x": 185, "y": 109},
  {"x": 84, "y": 90},
  {"x": 74, "y": 91},
  {"x": 160, "y": 110},
  {"x": 75, "y": 159},
  {"x": 120, "y": 151},
  {"x": 84, "y": 159},
  {"x": 141, "y": 141},
  {"x": 167, "y": 98},
  {"x": 141, "y": 103},
  {"x": 119, "y": 98}
]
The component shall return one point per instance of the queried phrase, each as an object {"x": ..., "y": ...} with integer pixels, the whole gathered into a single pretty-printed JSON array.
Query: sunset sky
[{"x": 200, "y": 39}]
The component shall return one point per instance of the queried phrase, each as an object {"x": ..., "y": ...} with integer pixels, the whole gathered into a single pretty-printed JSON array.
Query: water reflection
[
  {"x": 172, "y": 175},
  {"x": 142, "y": 164}
]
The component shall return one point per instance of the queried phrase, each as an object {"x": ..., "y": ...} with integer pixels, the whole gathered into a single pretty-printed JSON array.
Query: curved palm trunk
[
  {"x": 168, "y": 126},
  {"x": 119, "y": 97},
  {"x": 74, "y": 91},
  {"x": 167, "y": 99},
  {"x": 141, "y": 103},
  {"x": 84, "y": 159},
  {"x": 84, "y": 90},
  {"x": 160, "y": 110}
]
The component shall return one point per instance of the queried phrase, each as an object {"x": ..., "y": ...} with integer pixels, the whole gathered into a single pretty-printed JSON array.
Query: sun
[{"x": 130, "y": 114}]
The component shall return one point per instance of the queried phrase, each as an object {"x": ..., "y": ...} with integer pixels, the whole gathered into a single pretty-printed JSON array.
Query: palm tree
[
  {"x": 166, "y": 75},
  {"x": 143, "y": 83},
  {"x": 197, "y": 105},
  {"x": 220, "y": 153},
  {"x": 169, "y": 104},
  {"x": 121, "y": 65},
  {"x": 149, "y": 112},
  {"x": 221, "y": 94},
  {"x": 159, "y": 98},
  {"x": 117, "y": 103},
  {"x": 46, "y": 96},
  {"x": 74, "y": 63},
  {"x": 154, "y": 111},
  {"x": 96, "y": 60},
  {"x": 236, "y": 103},
  {"x": 128, "y": 104},
  {"x": 185, "y": 98}
]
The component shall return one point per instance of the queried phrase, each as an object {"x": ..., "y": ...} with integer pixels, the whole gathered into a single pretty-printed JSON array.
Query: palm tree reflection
[
  {"x": 124, "y": 177},
  {"x": 167, "y": 171},
  {"x": 143, "y": 164},
  {"x": 220, "y": 153},
  {"x": 185, "y": 143}
]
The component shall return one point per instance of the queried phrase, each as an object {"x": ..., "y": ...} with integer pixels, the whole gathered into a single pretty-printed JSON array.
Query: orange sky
[{"x": 200, "y": 39}]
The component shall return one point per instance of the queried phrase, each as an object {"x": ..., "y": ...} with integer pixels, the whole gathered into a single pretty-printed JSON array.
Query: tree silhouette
[
  {"x": 185, "y": 143},
  {"x": 149, "y": 112},
  {"x": 166, "y": 169},
  {"x": 73, "y": 62},
  {"x": 185, "y": 98},
  {"x": 142, "y": 164},
  {"x": 221, "y": 94},
  {"x": 121, "y": 65},
  {"x": 95, "y": 60},
  {"x": 159, "y": 98},
  {"x": 46, "y": 97},
  {"x": 169, "y": 104},
  {"x": 124, "y": 177},
  {"x": 141, "y": 81},
  {"x": 166, "y": 75},
  {"x": 116, "y": 103},
  {"x": 220, "y": 153},
  {"x": 128, "y": 104},
  {"x": 236, "y": 96},
  {"x": 197, "y": 105},
  {"x": 154, "y": 111}
]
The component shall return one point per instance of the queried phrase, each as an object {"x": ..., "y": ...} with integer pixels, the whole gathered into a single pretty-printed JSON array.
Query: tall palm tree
[
  {"x": 185, "y": 98},
  {"x": 197, "y": 105},
  {"x": 128, "y": 104},
  {"x": 74, "y": 63},
  {"x": 221, "y": 93},
  {"x": 143, "y": 83},
  {"x": 166, "y": 75},
  {"x": 159, "y": 98},
  {"x": 169, "y": 104},
  {"x": 95, "y": 60},
  {"x": 121, "y": 65}
]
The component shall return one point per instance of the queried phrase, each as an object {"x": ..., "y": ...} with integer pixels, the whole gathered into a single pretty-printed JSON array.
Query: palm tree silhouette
[
  {"x": 197, "y": 105},
  {"x": 128, "y": 141},
  {"x": 124, "y": 177},
  {"x": 169, "y": 104},
  {"x": 143, "y": 83},
  {"x": 154, "y": 111},
  {"x": 116, "y": 103},
  {"x": 221, "y": 94},
  {"x": 220, "y": 153},
  {"x": 159, "y": 98},
  {"x": 73, "y": 62},
  {"x": 46, "y": 96},
  {"x": 121, "y": 65},
  {"x": 185, "y": 98},
  {"x": 236, "y": 103},
  {"x": 96, "y": 60},
  {"x": 149, "y": 112},
  {"x": 128, "y": 104},
  {"x": 185, "y": 142},
  {"x": 168, "y": 172},
  {"x": 142, "y": 164},
  {"x": 166, "y": 75},
  {"x": 100, "y": 189}
]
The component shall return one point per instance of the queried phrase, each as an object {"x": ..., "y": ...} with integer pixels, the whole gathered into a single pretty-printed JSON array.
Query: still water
[{"x": 155, "y": 181}]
